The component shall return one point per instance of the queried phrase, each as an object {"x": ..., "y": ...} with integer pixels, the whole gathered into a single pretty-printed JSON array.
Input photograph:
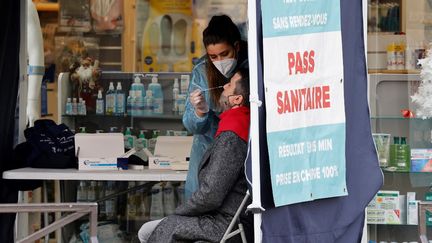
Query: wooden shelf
[
  {"x": 47, "y": 7},
  {"x": 386, "y": 71}
]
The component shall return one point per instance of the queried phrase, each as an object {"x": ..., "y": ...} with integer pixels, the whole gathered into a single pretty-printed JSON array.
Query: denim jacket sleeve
[{"x": 193, "y": 123}]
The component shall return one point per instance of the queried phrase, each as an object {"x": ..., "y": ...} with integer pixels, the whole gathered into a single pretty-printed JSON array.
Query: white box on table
[
  {"x": 171, "y": 151},
  {"x": 98, "y": 151}
]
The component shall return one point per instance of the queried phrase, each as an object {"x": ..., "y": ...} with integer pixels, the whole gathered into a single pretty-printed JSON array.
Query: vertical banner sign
[{"x": 303, "y": 79}]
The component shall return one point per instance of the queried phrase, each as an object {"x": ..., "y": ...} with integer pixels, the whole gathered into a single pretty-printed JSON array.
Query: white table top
[{"x": 105, "y": 175}]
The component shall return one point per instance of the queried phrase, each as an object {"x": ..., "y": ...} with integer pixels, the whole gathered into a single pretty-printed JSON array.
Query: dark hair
[
  {"x": 242, "y": 85},
  {"x": 219, "y": 30}
]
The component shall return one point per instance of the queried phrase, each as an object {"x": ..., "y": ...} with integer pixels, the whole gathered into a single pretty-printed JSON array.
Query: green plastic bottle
[
  {"x": 128, "y": 139},
  {"x": 393, "y": 153},
  {"x": 403, "y": 156}
]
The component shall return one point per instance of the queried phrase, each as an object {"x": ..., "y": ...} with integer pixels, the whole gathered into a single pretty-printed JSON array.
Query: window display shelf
[
  {"x": 400, "y": 118},
  {"x": 390, "y": 98},
  {"x": 166, "y": 116},
  {"x": 411, "y": 173},
  {"x": 386, "y": 71},
  {"x": 47, "y": 7}
]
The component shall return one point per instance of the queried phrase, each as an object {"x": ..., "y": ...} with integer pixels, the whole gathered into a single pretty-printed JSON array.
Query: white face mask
[{"x": 226, "y": 66}]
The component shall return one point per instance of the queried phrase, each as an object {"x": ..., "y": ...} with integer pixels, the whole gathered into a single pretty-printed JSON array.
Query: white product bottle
[
  {"x": 82, "y": 192},
  {"x": 131, "y": 206},
  {"x": 68, "y": 108},
  {"x": 120, "y": 100},
  {"x": 74, "y": 107},
  {"x": 148, "y": 103},
  {"x": 79, "y": 106},
  {"x": 83, "y": 110},
  {"x": 180, "y": 193},
  {"x": 137, "y": 87},
  {"x": 181, "y": 103},
  {"x": 410, "y": 60},
  {"x": 111, "y": 204},
  {"x": 169, "y": 202},
  {"x": 141, "y": 210},
  {"x": 184, "y": 83},
  {"x": 129, "y": 102},
  {"x": 158, "y": 100},
  {"x": 110, "y": 100},
  {"x": 101, "y": 204},
  {"x": 176, "y": 92},
  {"x": 92, "y": 192},
  {"x": 156, "y": 209},
  {"x": 100, "y": 104},
  {"x": 400, "y": 56}
]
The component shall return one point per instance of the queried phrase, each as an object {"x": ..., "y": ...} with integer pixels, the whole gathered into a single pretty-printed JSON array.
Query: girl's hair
[{"x": 221, "y": 29}]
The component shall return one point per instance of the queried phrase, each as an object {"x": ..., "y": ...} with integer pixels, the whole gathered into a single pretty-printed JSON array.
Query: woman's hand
[{"x": 199, "y": 103}]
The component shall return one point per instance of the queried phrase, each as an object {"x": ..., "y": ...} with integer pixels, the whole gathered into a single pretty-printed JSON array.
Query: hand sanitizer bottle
[
  {"x": 156, "y": 208},
  {"x": 120, "y": 100},
  {"x": 111, "y": 204},
  {"x": 176, "y": 92},
  {"x": 101, "y": 204},
  {"x": 129, "y": 103},
  {"x": 79, "y": 106},
  {"x": 68, "y": 108},
  {"x": 74, "y": 107},
  {"x": 158, "y": 101},
  {"x": 184, "y": 83},
  {"x": 100, "y": 104},
  {"x": 82, "y": 192},
  {"x": 180, "y": 193},
  {"x": 137, "y": 87},
  {"x": 148, "y": 103},
  {"x": 169, "y": 202},
  {"x": 140, "y": 145},
  {"x": 83, "y": 108},
  {"x": 110, "y": 100},
  {"x": 92, "y": 192},
  {"x": 128, "y": 139}
]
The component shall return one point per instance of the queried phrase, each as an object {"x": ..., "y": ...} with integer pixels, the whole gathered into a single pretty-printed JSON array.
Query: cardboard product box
[
  {"x": 171, "y": 152},
  {"x": 98, "y": 151},
  {"x": 384, "y": 208},
  {"x": 421, "y": 160}
]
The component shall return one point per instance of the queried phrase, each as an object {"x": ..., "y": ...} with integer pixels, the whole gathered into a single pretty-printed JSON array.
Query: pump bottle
[
  {"x": 137, "y": 96},
  {"x": 158, "y": 101},
  {"x": 68, "y": 108},
  {"x": 175, "y": 95},
  {"x": 148, "y": 103},
  {"x": 120, "y": 100},
  {"x": 99, "y": 104},
  {"x": 110, "y": 100},
  {"x": 156, "y": 208}
]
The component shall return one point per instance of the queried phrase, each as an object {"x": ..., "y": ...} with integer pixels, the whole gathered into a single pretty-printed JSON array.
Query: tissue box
[
  {"x": 384, "y": 208},
  {"x": 98, "y": 151},
  {"x": 169, "y": 150},
  {"x": 421, "y": 160}
]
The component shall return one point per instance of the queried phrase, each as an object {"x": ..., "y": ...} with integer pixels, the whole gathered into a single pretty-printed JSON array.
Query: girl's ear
[{"x": 237, "y": 46}]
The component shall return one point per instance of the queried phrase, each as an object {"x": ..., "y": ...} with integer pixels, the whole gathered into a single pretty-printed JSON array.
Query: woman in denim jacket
[{"x": 225, "y": 52}]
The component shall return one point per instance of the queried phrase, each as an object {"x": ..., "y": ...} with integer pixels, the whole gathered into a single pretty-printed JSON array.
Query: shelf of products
[
  {"x": 403, "y": 142},
  {"x": 142, "y": 106}
]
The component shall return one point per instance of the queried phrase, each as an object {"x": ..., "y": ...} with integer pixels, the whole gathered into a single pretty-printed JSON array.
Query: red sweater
[{"x": 236, "y": 120}]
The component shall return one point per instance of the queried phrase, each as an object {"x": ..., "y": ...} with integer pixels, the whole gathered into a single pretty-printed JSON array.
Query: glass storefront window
[{"x": 169, "y": 32}]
